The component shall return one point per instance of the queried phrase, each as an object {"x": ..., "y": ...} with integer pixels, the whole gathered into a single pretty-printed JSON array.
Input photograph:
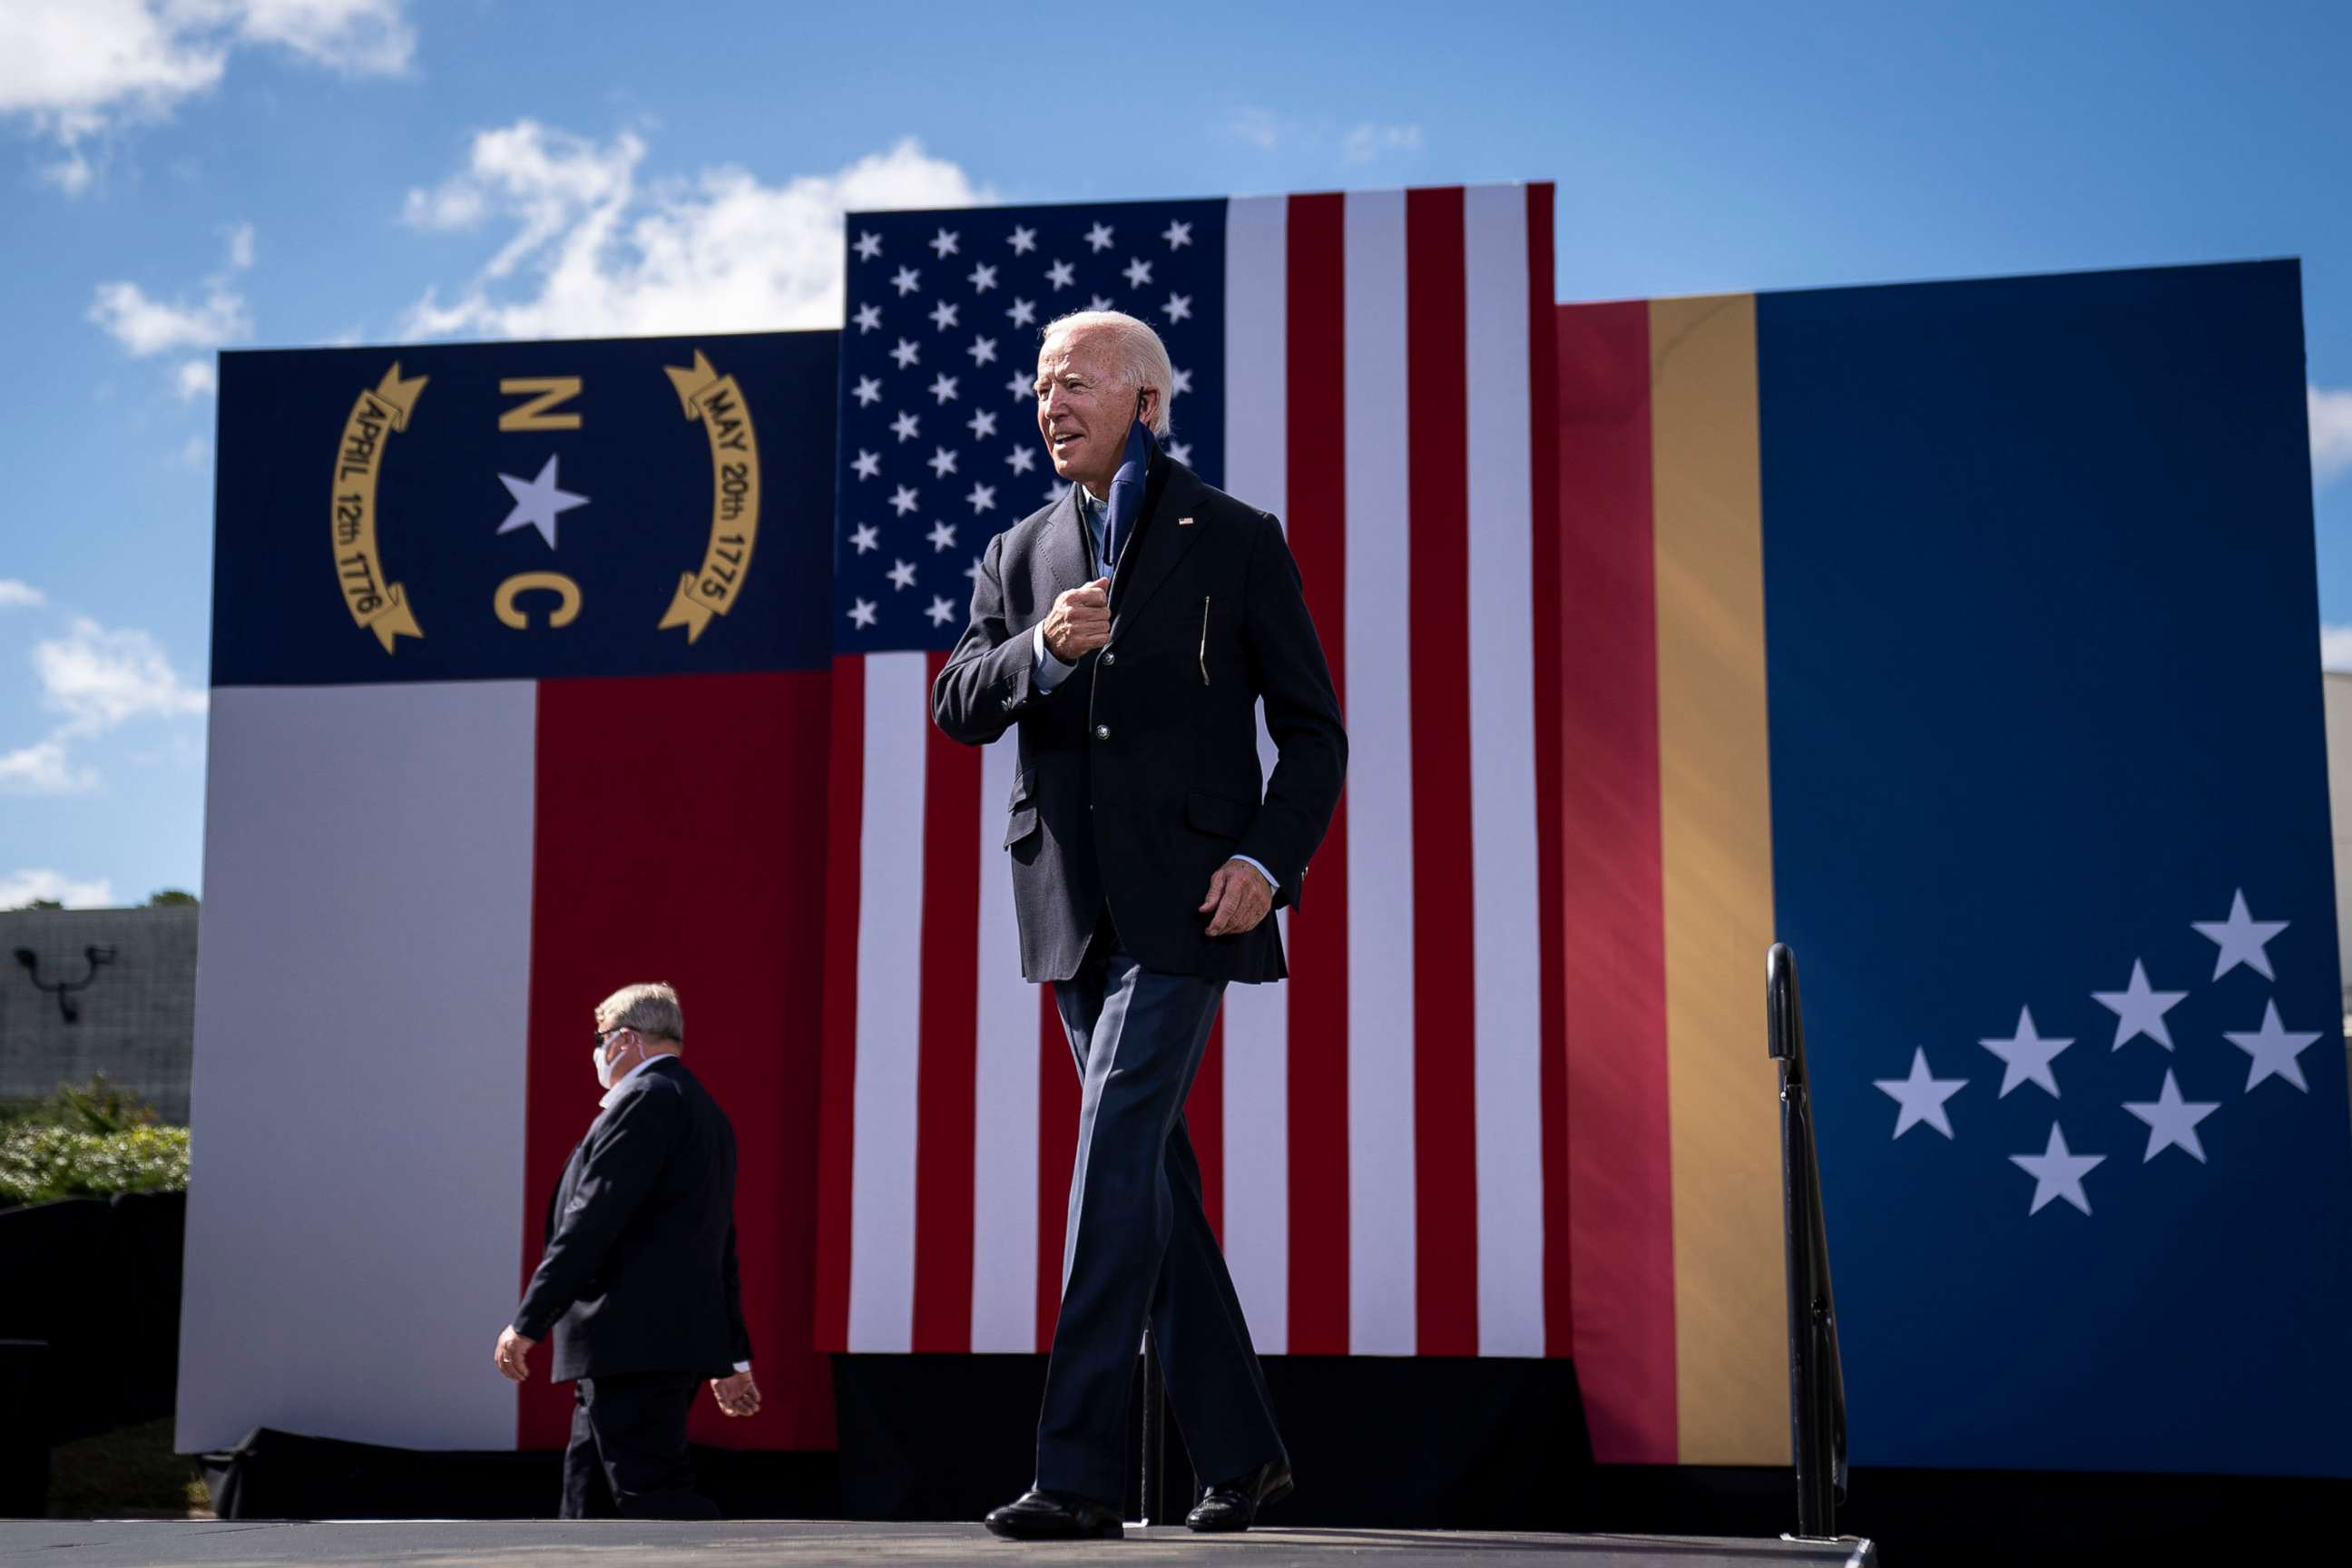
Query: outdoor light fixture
[{"x": 65, "y": 988}]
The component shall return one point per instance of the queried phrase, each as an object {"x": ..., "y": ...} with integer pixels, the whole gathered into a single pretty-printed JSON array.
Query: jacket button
[
  {"x": 1110, "y": 656},
  {"x": 1102, "y": 732}
]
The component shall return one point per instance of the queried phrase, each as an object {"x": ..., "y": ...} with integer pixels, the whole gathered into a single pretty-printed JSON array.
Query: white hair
[{"x": 1138, "y": 355}]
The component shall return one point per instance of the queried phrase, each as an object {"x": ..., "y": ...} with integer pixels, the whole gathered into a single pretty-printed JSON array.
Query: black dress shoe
[
  {"x": 1233, "y": 1504},
  {"x": 1038, "y": 1515}
]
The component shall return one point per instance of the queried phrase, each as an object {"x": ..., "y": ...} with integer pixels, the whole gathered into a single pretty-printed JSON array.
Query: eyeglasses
[{"x": 605, "y": 1035}]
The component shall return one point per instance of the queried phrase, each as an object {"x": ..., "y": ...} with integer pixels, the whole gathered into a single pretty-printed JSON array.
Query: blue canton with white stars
[{"x": 939, "y": 451}]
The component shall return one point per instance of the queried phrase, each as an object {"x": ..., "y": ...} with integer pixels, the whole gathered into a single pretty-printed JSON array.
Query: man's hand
[
  {"x": 1079, "y": 621},
  {"x": 1238, "y": 897},
  {"x": 513, "y": 1354},
  {"x": 737, "y": 1395}
]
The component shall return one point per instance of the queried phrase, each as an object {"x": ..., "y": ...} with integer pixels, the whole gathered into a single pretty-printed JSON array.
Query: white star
[
  {"x": 983, "y": 424},
  {"x": 1061, "y": 275},
  {"x": 538, "y": 503},
  {"x": 869, "y": 464},
  {"x": 2241, "y": 938},
  {"x": 2057, "y": 1172},
  {"x": 907, "y": 281},
  {"x": 903, "y": 575},
  {"x": 942, "y": 462},
  {"x": 2172, "y": 1121},
  {"x": 908, "y": 352},
  {"x": 1022, "y": 386},
  {"x": 1921, "y": 1096},
  {"x": 943, "y": 388},
  {"x": 869, "y": 246},
  {"x": 907, "y": 424},
  {"x": 862, "y": 612},
  {"x": 2028, "y": 1055},
  {"x": 943, "y": 315},
  {"x": 903, "y": 500},
  {"x": 2139, "y": 1010},
  {"x": 1182, "y": 451},
  {"x": 2273, "y": 1049},
  {"x": 1178, "y": 307},
  {"x": 1100, "y": 302},
  {"x": 1055, "y": 492},
  {"x": 869, "y": 390},
  {"x": 1023, "y": 459},
  {"x": 983, "y": 498},
  {"x": 869, "y": 316},
  {"x": 942, "y": 536},
  {"x": 982, "y": 351},
  {"x": 944, "y": 242},
  {"x": 1099, "y": 238},
  {"x": 1022, "y": 240},
  {"x": 1022, "y": 312},
  {"x": 1138, "y": 271},
  {"x": 973, "y": 571},
  {"x": 865, "y": 536},
  {"x": 1177, "y": 234},
  {"x": 982, "y": 279},
  {"x": 941, "y": 612},
  {"x": 1181, "y": 380}
]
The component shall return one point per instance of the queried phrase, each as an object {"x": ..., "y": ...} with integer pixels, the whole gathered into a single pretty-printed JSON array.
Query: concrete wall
[{"x": 137, "y": 1018}]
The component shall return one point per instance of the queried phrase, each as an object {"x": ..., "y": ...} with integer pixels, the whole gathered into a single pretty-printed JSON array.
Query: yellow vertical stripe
[{"x": 1715, "y": 817}]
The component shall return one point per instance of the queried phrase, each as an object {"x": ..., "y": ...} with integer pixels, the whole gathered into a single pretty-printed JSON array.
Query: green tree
[
  {"x": 41, "y": 904},
  {"x": 167, "y": 898}
]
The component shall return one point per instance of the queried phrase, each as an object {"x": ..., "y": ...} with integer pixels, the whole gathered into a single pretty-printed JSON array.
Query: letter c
[{"x": 521, "y": 583}]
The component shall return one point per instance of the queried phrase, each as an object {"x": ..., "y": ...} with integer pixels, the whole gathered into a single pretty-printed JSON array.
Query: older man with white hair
[{"x": 1131, "y": 632}]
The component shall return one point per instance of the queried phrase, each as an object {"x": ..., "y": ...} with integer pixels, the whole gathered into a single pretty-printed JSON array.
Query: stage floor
[{"x": 136, "y": 1543}]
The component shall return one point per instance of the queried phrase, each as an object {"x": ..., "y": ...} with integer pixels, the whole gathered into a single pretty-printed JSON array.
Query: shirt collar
[{"x": 619, "y": 1083}]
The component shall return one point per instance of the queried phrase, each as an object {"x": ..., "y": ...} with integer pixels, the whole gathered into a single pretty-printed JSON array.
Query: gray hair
[
  {"x": 650, "y": 1010},
  {"x": 1140, "y": 358}
]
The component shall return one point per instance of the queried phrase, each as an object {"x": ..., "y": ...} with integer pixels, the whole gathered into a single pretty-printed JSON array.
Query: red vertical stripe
[
  {"x": 1315, "y": 349},
  {"x": 1058, "y": 1155},
  {"x": 948, "y": 1041},
  {"x": 688, "y": 861},
  {"x": 1446, "y": 1132},
  {"x": 1613, "y": 933},
  {"x": 1205, "y": 1123},
  {"x": 1543, "y": 571},
  {"x": 837, "y": 1090}
]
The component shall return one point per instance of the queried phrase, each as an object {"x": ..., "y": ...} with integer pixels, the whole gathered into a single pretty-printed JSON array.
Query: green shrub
[{"x": 39, "y": 1164}]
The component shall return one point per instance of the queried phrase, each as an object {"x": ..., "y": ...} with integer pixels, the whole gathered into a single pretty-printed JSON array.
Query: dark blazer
[
  {"x": 639, "y": 1273},
  {"x": 1139, "y": 773}
]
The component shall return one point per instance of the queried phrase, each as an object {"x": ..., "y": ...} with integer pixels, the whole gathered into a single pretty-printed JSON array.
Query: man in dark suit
[
  {"x": 1129, "y": 631},
  {"x": 639, "y": 1276}
]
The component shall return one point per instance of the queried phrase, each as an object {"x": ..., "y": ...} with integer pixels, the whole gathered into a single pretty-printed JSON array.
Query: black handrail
[{"x": 1816, "y": 1379}]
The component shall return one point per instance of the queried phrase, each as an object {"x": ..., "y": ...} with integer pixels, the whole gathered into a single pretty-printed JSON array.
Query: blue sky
[{"x": 179, "y": 175}]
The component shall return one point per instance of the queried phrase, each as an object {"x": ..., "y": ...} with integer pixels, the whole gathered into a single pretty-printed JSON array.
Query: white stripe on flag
[
  {"x": 354, "y": 1224},
  {"x": 1257, "y": 1018},
  {"x": 1006, "y": 1096},
  {"x": 1509, "y": 1070},
  {"x": 1381, "y": 1190},
  {"x": 889, "y": 1006}
]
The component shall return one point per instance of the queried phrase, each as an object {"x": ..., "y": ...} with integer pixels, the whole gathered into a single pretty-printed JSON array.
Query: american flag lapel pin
[{"x": 1183, "y": 522}]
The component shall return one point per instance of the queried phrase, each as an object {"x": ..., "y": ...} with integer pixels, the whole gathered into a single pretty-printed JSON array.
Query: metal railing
[{"x": 1816, "y": 1381}]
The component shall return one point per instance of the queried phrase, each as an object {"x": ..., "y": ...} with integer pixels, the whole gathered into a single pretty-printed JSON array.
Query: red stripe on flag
[
  {"x": 1544, "y": 566},
  {"x": 837, "y": 1090},
  {"x": 1315, "y": 348},
  {"x": 1057, "y": 1156},
  {"x": 1444, "y": 957},
  {"x": 1621, "y": 1211},
  {"x": 629, "y": 883},
  {"x": 1205, "y": 1123},
  {"x": 948, "y": 1041}
]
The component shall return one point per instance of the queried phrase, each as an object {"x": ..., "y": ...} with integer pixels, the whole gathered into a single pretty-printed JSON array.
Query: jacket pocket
[
  {"x": 1020, "y": 824},
  {"x": 1214, "y": 814}
]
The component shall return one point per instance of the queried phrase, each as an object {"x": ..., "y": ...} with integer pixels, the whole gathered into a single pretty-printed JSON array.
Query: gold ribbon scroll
[
  {"x": 381, "y": 607},
  {"x": 717, "y": 401}
]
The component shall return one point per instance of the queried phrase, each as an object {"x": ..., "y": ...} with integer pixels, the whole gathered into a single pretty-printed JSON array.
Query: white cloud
[
  {"x": 43, "y": 768},
  {"x": 1368, "y": 141},
  {"x": 99, "y": 679},
  {"x": 78, "y": 71},
  {"x": 15, "y": 594},
  {"x": 1258, "y": 127},
  {"x": 2335, "y": 649},
  {"x": 195, "y": 453},
  {"x": 20, "y": 887},
  {"x": 145, "y": 326},
  {"x": 240, "y": 246},
  {"x": 196, "y": 379},
  {"x": 2331, "y": 432},
  {"x": 595, "y": 252}
]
